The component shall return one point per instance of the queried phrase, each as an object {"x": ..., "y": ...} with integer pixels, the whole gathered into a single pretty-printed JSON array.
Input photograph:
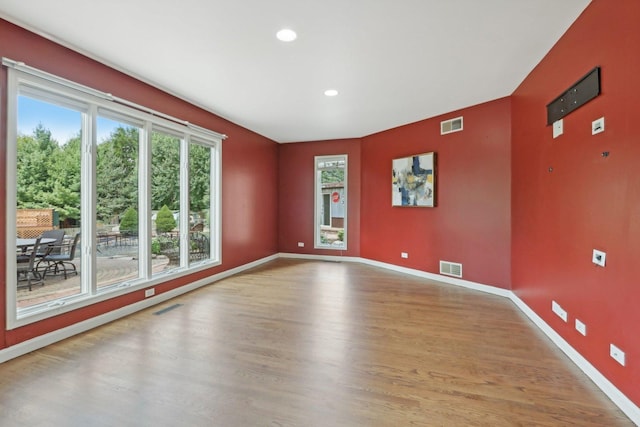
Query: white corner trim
[{"x": 77, "y": 328}]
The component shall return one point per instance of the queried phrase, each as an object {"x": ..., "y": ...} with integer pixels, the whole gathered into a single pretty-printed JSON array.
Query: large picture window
[{"x": 103, "y": 198}]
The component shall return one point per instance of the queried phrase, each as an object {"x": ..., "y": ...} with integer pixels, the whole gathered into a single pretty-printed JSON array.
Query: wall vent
[
  {"x": 451, "y": 268},
  {"x": 450, "y": 126}
]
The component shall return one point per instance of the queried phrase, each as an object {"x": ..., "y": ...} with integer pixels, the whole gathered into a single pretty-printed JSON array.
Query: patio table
[{"x": 26, "y": 243}]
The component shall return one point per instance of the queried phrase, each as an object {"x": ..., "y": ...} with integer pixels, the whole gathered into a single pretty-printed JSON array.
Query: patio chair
[
  {"x": 61, "y": 262},
  {"x": 55, "y": 245},
  {"x": 51, "y": 247},
  {"x": 27, "y": 269}
]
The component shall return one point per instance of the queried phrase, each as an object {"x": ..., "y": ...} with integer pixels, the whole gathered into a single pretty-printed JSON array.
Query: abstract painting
[{"x": 413, "y": 181}]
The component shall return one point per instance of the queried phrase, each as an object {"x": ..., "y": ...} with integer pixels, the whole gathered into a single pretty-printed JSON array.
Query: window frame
[
  {"x": 318, "y": 202},
  {"x": 26, "y": 81}
]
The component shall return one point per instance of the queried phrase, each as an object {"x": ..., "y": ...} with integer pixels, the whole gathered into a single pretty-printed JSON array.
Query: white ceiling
[{"x": 393, "y": 61}]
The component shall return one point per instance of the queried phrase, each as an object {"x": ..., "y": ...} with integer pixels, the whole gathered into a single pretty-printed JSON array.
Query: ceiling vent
[
  {"x": 451, "y": 268},
  {"x": 450, "y": 126}
]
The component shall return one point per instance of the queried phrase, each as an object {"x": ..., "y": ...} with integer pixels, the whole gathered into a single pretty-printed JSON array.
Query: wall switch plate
[
  {"x": 149, "y": 292},
  {"x": 301, "y": 244},
  {"x": 562, "y": 313},
  {"x": 558, "y": 128},
  {"x": 404, "y": 255},
  {"x": 597, "y": 126},
  {"x": 617, "y": 354},
  {"x": 581, "y": 327},
  {"x": 599, "y": 257}
]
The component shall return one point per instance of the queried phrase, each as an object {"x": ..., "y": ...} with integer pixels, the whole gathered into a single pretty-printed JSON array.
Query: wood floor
[{"x": 305, "y": 343}]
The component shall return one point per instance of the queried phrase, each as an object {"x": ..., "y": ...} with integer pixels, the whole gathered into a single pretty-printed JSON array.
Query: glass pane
[
  {"x": 117, "y": 249},
  {"x": 332, "y": 200},
  {"x": 47, "y": 201},
  {"x": 200, "y": 202},
  {"x": 165, "y": 201}
]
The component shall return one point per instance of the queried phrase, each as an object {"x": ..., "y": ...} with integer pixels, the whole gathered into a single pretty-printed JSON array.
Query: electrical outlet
[
  {"x": 617, "y": 354},
  {"x": 404, "y": 255},
  {"x": 301, "y": 244},
  {"x": 599, "y": 257},
  {"x": 562, "y": 313},
  {"x": 149, "y": 292},
  {"x": 597, "y": 126},
  {"x": 581, "y": 327}
]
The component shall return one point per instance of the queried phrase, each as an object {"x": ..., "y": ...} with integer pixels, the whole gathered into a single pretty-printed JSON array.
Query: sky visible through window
[{"x": 63, "y": 123}]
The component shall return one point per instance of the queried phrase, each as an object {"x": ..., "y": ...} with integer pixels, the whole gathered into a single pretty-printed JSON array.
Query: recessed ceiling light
[
  {"x": 286, "y": 35},
  {"x": 331, "y": 92}
]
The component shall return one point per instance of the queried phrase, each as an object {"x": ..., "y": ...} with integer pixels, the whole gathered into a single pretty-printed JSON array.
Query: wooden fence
[{"x": 30, "y": 223}]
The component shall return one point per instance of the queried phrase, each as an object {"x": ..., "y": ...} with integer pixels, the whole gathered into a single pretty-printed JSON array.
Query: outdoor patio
[
  {"x": 116, "y": 262},
  {"x": 111, "y": 269}
]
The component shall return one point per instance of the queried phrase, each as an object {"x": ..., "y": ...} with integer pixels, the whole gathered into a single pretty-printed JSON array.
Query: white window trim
[
  {"x": 96, "y": 94},
  {"x": 318, "y": 202},
  {"x": 89, "y": 103}
]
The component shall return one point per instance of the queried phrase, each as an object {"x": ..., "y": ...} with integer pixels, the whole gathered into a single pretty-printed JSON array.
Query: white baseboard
[
  {"x": 334, "y": 258},
  {"x": 630, "y": 409},
  {"x": 64, "y": 333},
  {"x": 440, "y": 278},
  {"x": 413, "y": 272},
  {"x": 616, "y": 396}
]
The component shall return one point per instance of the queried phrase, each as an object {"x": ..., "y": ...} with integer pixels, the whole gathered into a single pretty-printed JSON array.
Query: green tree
[
  {"x": 35, "y": 154},
  {"x": 165, "y": 171},
  {"x": 47, "y": 174},
  {"x": 165, "y": 221},
  {"x": 65, "y": 174},
  {"x": 332, "y": 175},
  {"x": 129, "y": 223},
  {"x": 199, "y": 177},
  {"x": 117, "y": 173}
]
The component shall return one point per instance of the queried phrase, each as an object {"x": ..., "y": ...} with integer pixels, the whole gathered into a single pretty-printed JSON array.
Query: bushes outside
[
  {"x": 129, "y": 222},
  {"x": 155, "y": 246},
  {"x": 161, "y": 244},
  {"x": 164, "y": 220}
]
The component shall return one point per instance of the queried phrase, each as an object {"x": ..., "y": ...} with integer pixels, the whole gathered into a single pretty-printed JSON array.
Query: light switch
[
  {"x": 558, "y": 128},
  {"x": 597, "y": 126}
]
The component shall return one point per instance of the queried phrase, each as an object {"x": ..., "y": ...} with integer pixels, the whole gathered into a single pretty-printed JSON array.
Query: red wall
[
  {"x": 501, "y": 213},
  {"x": 471, "y": 223},
  {"x": 587, "y": 201},
  {"x": 249, "y": 172},
  {"x": 296, "y": 197}
]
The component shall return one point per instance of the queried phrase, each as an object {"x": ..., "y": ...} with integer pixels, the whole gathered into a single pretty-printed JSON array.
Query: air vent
[
  {"x": 450, "y": 126},
  {"x": 451, "y": 268}
]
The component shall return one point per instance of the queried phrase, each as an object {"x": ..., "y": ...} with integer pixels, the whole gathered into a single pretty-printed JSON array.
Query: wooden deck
[{"x": 303, "y": 343}]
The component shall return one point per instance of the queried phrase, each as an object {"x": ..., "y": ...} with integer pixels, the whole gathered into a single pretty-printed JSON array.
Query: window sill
[{"x": 60, "y": 306}]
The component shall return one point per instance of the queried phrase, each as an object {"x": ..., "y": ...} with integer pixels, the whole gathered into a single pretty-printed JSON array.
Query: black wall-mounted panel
[{"x": 583, "y": 91}]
